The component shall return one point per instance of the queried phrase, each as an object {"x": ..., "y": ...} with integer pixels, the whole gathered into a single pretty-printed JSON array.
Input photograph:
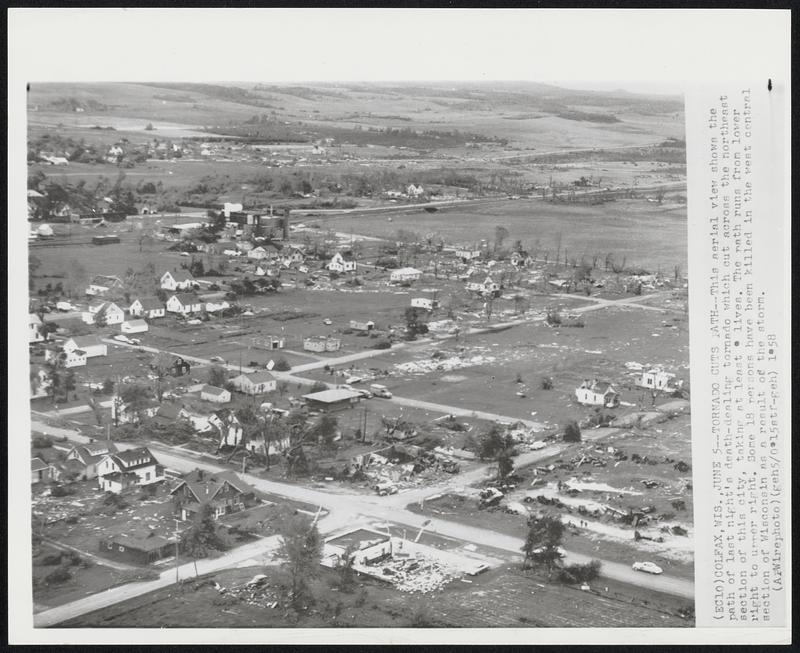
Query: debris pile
[
  {"x": 253, "y": 592},
  {"x": 419, "y": 574}
]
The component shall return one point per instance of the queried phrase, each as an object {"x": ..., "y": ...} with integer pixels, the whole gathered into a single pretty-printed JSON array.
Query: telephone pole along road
[{"x": 343, "y": 509}]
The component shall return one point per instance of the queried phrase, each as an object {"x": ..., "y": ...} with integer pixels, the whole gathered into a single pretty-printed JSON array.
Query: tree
[
  {"x": 492, "y": 442},
  {"x": 572, "y": 432},
  {"x": 301, "y": 547},
  {"x": 34, "y": 263},
  {"x": 500, "y": 234},
  {"x": 326, "y": 430},
  {"x": 217, "y": 376},
  {"x": 415, "y": 323},
  {"x": 282, "y": 365},
  {"x": 136, "y": 398},
  {"x": 542, "y": 541},
  {"x": 505, "y": 463},
  {"x": 202, "y": 536},
  {"x": 318, "y": 386}
]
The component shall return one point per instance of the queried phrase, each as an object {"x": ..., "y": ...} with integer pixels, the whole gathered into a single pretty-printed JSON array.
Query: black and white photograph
[{"x": 319, "y": 351}]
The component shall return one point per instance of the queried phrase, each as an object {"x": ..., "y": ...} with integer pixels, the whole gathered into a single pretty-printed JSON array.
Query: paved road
[{"x": 342, "y": 507}]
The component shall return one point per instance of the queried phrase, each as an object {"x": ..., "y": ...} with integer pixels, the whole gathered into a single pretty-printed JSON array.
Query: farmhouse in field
[
  {"x": 102, "y": 285},
  {"x": 177, "y": 280},
  {"x": 255, "y": 383},
  {"x": 402, "y": 275},
  {"x": 225, "y": 492},
  {"x": 320, "y": 343},
  {"x": 597, "y": 393},
  {"x": 124, "y": 469},
  {"x": 91, "y": 345},
  {"x": 147, "y": 307},
  {"x": 360, "y": 325},
  {"x": 657, "y": 379},
  {"x": 184, "y": 303},
  {"x": 339, "y": 263}
]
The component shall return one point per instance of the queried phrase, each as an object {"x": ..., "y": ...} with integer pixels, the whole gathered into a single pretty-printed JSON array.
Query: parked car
[
  {"x": 217, "y": 359},
  {"x": 385, "y": 488},
  {"x": 380, "y": 391},
  {"x": 327, "y": 321},
  {"x": 647, "y": 567}
]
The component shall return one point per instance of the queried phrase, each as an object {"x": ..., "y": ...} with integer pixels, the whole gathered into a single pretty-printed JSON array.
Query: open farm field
[{"x": 647, "y": 235}]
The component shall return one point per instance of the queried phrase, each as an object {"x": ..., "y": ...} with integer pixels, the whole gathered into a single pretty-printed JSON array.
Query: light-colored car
[
  {"x": 327, "y": 321},
  {"x": 385, "y": 488},
  {"x": 647, "y": 567}
]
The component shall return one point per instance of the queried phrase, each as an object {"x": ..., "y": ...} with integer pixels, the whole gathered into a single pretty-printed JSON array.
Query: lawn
[{"x": 498, "y": 598}]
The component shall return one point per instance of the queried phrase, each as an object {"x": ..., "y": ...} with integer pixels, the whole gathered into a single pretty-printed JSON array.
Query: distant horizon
[{"x": 663, "y": 89}]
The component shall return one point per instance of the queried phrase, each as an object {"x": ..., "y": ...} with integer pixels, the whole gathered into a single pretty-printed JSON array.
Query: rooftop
[{"x": 332, "y": 396}]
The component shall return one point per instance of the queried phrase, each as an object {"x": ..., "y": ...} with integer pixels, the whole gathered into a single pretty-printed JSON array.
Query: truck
[{"x": 380, "y": 391}]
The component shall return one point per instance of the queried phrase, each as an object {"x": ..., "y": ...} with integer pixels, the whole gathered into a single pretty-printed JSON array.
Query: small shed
[{"x": 134, "y": 326}]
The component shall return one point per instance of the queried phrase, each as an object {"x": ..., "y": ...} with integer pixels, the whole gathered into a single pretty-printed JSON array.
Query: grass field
[
  {"x": 648, "y": 235},
  {"x": 498, "y": 598}
]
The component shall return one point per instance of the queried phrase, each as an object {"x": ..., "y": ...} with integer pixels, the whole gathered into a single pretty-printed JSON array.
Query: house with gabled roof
[
  {"x": 214, "y": 394},
  {"x": 103, "y": 312},
  {"x": 147, "y": 307},
  {"x": 339, "y": 263},
  {"x": 103, "y": 284},
  {"x": 225, "y": 492},
  {"x": 124, "y": 469},
  {"x": 255, "y": 383},
  {"x": 89, "y": 455},
  {"x": 91, "y": 345},
  {"x": 41, "y": 472},
  {"x": 184, "y": 303},
  {"x": 177, "y": 280},
  {"x": 35, "y": 325},
  {"x": 597, "y": 393}
]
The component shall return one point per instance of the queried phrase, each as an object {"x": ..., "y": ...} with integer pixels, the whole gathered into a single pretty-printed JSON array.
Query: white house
[
  {"x": 231, "y": 207},
  {"x": 217, "y": 395},
  {"x": 177, "y": 280},
  {"x": 215, "y": 307},
  {"x": 255, "y": 383},
  {"x": 149, "y": 307},
  {"x": 257, "y": 254},
  {"x": 107, "y": 312},
  {"x": 92, "y": 345},
  {"x": 359, "y": 325},
  {"x": 414, "y": 191},
  {"x": 184, "y": 303},
  {"x": 468, "y": 254},
  {"x": 339, "y": 263},
  {"x": 134, "y": 326},
  {"x": 117, "y": 471},
  {"x": 404, "y": 274},
  {"x": 34, "y": 328},
  {"x": 101, "y": 284},
  {"x": 424, "y": 302},
  {"x": 597, "y": 393},
  {"x": 320, "y": 344},
  {"x": 89, "y": 455},
  {"x": 71, "y": 358},
  {"x": 486, "y": 288},
  {"x": 657, "y": 379}
]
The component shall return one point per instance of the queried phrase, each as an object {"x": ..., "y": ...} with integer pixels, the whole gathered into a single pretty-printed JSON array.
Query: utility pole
[{"x": 176, "y": 551}]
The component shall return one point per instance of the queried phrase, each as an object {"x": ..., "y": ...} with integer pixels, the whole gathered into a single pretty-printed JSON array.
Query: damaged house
[{"x": 597, "y": 393}]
